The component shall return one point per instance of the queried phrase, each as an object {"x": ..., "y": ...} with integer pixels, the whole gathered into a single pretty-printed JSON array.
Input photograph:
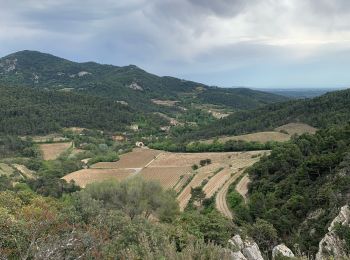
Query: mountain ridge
[{"x": 127, "y": 83}]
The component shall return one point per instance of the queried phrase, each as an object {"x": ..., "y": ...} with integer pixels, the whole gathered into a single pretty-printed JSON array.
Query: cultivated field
[
  {"x": 202, "y": 174},
  {"x": 87, "y": 176},
  {"x": 166, "y": 176},
  {"x": 173, "y": 171},
  {"x": 52, "y": 151},
  {"x": 138, "y": 158}
]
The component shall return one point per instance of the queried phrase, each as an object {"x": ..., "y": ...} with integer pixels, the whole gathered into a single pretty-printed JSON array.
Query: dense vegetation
[
  {"x": 330, "y": 109},
  {"x": 299, "y": 188},
  {"x": 130, "y": 83},
  {"x": 216, "y": 146},
  {"x": 107, "y": 220},
  {"x": 33, "y": 111}
]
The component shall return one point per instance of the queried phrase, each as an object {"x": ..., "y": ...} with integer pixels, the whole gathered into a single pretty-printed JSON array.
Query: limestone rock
[
  {"x": 331, "y": 245},
  {"x": 237, "y": 256},
  {"x": 281, "y": 250},
  {"x": 236, "y": 242},
  {"x": 247, "y": 248},
  {"x": 251, "y": 251}
]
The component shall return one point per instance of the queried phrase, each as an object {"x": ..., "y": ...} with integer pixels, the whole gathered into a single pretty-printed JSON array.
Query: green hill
[
  {"x": 130, "y": 83},
  {"x": 330, "y": 109},
  {"x": 34, "y": 111}
]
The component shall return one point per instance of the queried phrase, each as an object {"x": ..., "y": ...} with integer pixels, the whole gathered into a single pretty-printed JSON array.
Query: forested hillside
[
  {"x": 329, "y": 109},
  {"x": 33, "y": 111},
  {"x": 129, "y": 84},
  {"x": 298, "y": 190}
]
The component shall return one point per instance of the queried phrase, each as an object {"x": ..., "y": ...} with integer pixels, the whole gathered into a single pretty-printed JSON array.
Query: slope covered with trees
[
  {"x": 298, "y": 190},
  {"x": 330, "y": 109},
  {"x": 33, "y": 111},
  {"x": 130, "y": 83}
]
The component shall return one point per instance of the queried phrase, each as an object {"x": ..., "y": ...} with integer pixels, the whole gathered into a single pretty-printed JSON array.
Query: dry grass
[
  {"x": 52, "y": 151},
  {"x": 297, "y": 128},
  {"x": 87, "y": 176}
]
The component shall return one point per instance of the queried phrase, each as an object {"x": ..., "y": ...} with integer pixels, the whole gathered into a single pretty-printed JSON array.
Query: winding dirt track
[{"x": 220, "y": 199}]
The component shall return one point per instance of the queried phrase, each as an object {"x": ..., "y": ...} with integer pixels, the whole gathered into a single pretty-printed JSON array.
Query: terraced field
[
  {"x": 166, "y": 176},
  {"x": 201, "y": 174},
  {"x": 173, "y": 171}
]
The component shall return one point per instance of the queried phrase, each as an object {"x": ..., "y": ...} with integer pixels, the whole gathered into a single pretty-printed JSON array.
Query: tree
[{"x": 135, "y": 197}]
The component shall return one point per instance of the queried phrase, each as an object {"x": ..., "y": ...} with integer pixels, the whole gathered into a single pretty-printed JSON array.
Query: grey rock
[
  {"x": 331, "y": 246},
  {"x": 281, "y": 250}
]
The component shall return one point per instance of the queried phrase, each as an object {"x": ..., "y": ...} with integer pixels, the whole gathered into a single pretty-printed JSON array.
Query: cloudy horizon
[{"x": 252, "y": 43}]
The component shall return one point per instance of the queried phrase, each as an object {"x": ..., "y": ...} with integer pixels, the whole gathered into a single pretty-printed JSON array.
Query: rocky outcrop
[
  {"x": 244, "y": 249},
  {"x": 281, "y": 250},
  {"x": 135, "y": 86},
  {"x": 331, "y": 245}
]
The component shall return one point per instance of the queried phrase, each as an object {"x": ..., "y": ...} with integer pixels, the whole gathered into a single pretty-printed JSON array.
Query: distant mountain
[
  {"x": 330, "y": 109},
  {"x": 129, "y": 84},
  {"x": 299, "y": 93}
]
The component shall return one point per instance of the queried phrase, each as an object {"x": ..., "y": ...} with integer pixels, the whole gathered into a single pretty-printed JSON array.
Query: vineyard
[
  {"x": 86, "y": 176},
  {"x": 213, "y": 171}
]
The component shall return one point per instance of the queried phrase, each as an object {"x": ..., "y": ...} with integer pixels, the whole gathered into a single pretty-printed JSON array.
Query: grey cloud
[
  {"x": 178, "y": 37},
  {"x": 226, "y": 8}
]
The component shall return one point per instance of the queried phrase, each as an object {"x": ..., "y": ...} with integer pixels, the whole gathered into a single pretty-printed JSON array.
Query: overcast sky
[{"x": 256, "y": 43}]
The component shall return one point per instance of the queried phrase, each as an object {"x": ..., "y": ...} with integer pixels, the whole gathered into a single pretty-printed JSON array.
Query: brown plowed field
[
  {"x": 138, "y": 158},
  {"x": 166, "y": 176},
  {"x": 87, "y": 176}
]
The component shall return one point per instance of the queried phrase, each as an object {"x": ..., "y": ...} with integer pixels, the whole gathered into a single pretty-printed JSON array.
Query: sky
[{"x": 252, "y": 43}]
